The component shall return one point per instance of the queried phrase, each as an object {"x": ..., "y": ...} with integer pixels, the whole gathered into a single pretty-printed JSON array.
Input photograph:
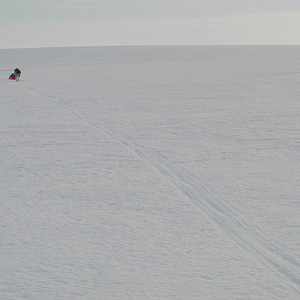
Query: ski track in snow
[{"x": 284, "y": 267}]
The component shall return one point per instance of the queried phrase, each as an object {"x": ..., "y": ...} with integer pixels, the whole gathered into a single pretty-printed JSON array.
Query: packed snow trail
[{"x": 284, "y": 267}]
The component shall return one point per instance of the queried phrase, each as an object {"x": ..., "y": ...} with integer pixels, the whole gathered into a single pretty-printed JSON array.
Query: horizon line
[{"x": 155, "y": 45}]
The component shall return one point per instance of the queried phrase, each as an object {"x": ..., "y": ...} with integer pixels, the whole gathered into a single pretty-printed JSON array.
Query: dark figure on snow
[{"x": 17, "y": 73}]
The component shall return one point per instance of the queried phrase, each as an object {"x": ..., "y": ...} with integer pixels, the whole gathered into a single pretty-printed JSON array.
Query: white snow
[{"x": 150, "y": 173}]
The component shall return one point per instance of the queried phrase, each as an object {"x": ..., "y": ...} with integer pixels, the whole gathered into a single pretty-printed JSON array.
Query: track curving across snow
[{"x": 283, "y": 267}]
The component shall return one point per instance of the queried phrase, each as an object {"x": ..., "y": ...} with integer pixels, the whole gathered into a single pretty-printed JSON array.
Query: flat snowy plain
[{"x": 150, "y": 173}]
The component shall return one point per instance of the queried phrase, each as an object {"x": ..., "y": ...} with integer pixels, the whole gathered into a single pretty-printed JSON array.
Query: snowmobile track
[{"x": 286, "y": 268}]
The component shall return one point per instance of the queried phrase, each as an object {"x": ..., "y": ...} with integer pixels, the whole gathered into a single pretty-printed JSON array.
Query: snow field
[{"x": 150, "y": 173}]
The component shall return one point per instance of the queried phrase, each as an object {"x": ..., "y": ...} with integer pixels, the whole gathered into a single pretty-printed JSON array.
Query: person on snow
[{"x": 17, "y": 73}]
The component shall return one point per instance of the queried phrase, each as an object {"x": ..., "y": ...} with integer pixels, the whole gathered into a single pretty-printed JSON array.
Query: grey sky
[{"x": 50, "y": 23}]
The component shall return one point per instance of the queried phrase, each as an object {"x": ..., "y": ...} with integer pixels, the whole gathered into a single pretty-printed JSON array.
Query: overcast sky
[{"x": 52, "y": 23}]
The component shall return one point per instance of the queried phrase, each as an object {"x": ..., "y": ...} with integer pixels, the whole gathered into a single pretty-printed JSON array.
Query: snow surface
[{"x": 150, "y": 173}]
